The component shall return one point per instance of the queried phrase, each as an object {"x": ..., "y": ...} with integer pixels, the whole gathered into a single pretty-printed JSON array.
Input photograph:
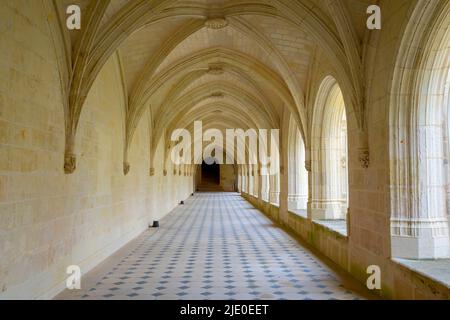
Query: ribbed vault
[{"x": 235, "y": 63}]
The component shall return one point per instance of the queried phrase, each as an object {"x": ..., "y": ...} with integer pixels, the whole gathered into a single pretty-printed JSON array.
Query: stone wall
[{"x": 49, "y": 220}]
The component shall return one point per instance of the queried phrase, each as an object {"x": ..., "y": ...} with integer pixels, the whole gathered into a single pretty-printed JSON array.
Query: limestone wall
[
  {"x": 227, "y": 177},
  {"x": 49, "y": 220}
]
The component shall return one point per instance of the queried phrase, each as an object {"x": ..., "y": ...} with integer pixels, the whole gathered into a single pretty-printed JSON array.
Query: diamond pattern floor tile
[{"x": 216, "y": 246}]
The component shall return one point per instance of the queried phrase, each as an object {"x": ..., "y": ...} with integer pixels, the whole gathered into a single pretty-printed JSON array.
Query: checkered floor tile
[{"x": 216, "y": 246}]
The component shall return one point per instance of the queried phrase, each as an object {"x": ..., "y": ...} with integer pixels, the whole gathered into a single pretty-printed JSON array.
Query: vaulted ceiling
[{"x": 238, "y": 62}]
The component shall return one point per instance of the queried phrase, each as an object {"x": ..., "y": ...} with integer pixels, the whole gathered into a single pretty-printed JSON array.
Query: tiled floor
[{"x": 216, "y": 246}]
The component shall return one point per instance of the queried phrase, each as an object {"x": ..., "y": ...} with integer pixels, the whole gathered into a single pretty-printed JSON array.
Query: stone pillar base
[
  {"x": 274, "y": 197},
  {"x": 420, "y": 248},
  {"x": 327, "y": 210}
]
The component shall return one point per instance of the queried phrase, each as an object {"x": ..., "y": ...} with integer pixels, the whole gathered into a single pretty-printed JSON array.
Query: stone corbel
[
  {"x": 70, "y": 159},
  {"x": 126, "y": 167},
  {"x": 70, "y": 162},
  {"x": 308, "y": 163},
  {"x": 152, "y": 172},
  {"x": 363, "y": 150},
  {"x": 165, "y": 172},
  {"x": 364, "y": 157},
  {"x": 125, "y": 164}
]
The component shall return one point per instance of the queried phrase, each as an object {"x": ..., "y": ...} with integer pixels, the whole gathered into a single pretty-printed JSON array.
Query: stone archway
[
  {"x": 419, "y": 176},
  {"x": 329, "y": 154}
]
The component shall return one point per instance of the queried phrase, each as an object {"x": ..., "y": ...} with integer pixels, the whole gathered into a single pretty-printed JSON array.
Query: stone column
[
  {"x": 244, "y": 179},
  {"x": 298, "y": 180},
  {"x": 326, "y": 202},
  {"x": 419, "y": 222},
  {"x": 308, "y": 167},
  {"x": 250, "y": 179},
  {"x": 239, "y": 175},
  {"x": 265, "y": 184},
  {"x": 274, "y": 191},
  {"x": 297, "y": 201},
  {"x": 260, "y": 180},
  {"x": 284, "y": 176},
  {"x": 283, "y": 196},
  {"x": 255, "y": 181}
]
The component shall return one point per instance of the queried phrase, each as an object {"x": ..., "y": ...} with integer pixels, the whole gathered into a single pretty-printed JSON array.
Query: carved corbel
[
  {"x": 126, "y": 167},
  {"x": 363, "y": 149},
  {"x": 152, "y": 172},
  {"x": 364, "y": 157},
  {"x": 70, "y": 162},
  {"x": 308, "y": 165}
]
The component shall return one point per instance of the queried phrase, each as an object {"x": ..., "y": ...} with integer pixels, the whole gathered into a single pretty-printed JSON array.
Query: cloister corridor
[
  {"x": 218, "y": 247},
  {"x": 287, "y": 149}
]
